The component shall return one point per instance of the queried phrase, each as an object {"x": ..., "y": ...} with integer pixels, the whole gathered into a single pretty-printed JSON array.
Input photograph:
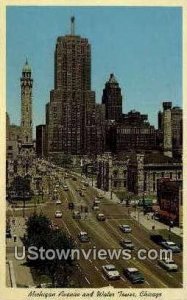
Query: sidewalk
[
  {"x": 23, "y": 276},
  {"x": 148, "y": 222}
]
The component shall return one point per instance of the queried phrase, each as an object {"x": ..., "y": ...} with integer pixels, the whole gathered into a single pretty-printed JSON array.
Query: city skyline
[{"x": 161, "y": 83}]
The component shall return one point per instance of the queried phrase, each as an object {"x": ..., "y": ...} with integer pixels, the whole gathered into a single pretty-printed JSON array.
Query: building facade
[
  {"x": 169, "y": 197},
  {"x": 133, "y": 132},
  {"x": 171, "y": 126},
  {"x": 26, "y": 82},
  {"x": 71, "y": 100},
  {"x": 112, "y": 99},
  {"x": 137, "y": 173},
  {"x": 41, "y": 149}
]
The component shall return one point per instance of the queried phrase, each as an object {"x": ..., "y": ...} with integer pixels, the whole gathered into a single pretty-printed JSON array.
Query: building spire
[{"x": 72, "y": 25}]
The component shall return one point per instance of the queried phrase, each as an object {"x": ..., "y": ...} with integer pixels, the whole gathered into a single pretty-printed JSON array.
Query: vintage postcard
[{"x": 93, "y": 152}]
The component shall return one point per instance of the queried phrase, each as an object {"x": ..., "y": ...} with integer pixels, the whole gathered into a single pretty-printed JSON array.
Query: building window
[
  {"x": 179, "y": 175},
  {"x": 125, "y": 183},
  {"x": 170, "y": 175},
  {"x": 10, "y": 148},
  {"x": 154, "y": 186},
  {"x": 162, "y": 174}
]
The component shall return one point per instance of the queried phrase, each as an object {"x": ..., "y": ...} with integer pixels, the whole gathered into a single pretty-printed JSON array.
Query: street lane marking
[
  {"x": 103, "y": 277},
  {"x": 170, "y": 275},
  {"x": 87, "y": 279},
  {"x": 90, "y": 260},
  {"x": 97, "y": 268},
  {"x": 147, "y": 283},
  {"x": 122, "y": 278},
  {"x": 66, "y": 227}
]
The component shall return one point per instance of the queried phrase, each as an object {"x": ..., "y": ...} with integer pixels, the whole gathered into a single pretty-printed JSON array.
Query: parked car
[
  {"x": 83, "y": 237},
  {"x": 127, "y": 244},
  {"x": 134, "y": 275},
  {"x": 157, "y": 238},
  {"x": 111, "y": 272},
  {"x": 101, "y": 217},
  {"x": 58, "y": 214},
  {"x": 83, "y": 188},
  {"x": 76, "y": 215},
  {"x": 168, "y": 264},
  {"x": 81, "y": 193},
  {"x": 95, "y": 207},
  {"x": 100, "y": 196},
  {"x": 171, "y": 246},
  {"x": 74, "y": 178},
  {"x": 86, "y": 183},
  {"x": 125, "y": 228}
]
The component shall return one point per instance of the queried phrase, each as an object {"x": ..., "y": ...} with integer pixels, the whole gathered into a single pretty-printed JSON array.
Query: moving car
[
  {"x": 96, "y": 201},
  {"x": 171, "y": 246},
  {"x": 83, "y": 237},
  {"x": 125, "y": 228},
  {"x": 168, "y": 264},
  {"x": 111, "y": 272},
  {"x": 101, "y": 217},
  {"x": 95, "y": 207},
  {"x": 66, "y": 188},
  {"x": 58, "y": 214},
  {"x": 134, "y": 275},
  {"x": 157, "y": 238},
  {"x": 76, "y": 215},
  {"x": 58, "y": 201},
  {"x": 127, "y": 244}
]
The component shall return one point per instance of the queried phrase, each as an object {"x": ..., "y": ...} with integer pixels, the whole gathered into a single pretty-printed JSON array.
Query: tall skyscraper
[
  {"x": 26, "y": 104},
  {"x": 170, "y": 124},
  {"x": 71, "y": 100},
  {"x": 112, "y": 99}
]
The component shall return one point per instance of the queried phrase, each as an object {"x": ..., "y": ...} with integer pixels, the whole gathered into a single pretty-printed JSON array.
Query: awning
[{"x": 166, "y": 214}]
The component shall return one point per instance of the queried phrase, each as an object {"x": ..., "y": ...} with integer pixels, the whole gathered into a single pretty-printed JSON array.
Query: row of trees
[
  {"x": 40, "y": 233},
  {"x": 62, "y": 160}
]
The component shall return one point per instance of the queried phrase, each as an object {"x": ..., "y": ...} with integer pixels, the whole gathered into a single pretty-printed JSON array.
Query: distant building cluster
[{"x": 131, "y": 154}]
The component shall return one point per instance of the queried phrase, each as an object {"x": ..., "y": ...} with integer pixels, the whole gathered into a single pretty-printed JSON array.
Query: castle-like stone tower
[{"x": 26, "y": 82}]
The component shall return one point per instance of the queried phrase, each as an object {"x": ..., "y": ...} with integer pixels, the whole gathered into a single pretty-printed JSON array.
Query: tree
[
  {"x": 61, "y": 159},
  {"x": 40, "y": 234}
]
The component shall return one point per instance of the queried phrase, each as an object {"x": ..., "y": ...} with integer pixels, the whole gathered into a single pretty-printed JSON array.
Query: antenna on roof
[{"x": 72, "y": 25}]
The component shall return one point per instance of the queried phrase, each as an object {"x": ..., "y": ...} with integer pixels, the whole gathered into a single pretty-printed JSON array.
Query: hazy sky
[{"x": 140, "y": 45}]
